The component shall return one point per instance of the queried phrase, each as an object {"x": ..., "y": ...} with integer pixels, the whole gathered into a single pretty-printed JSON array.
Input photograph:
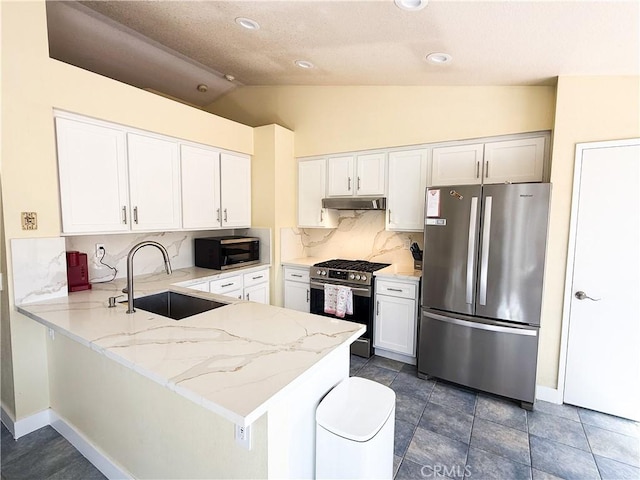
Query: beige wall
[
  {"x": 274, "y": 192},
  {"x": 340, "y": 119},
  {"x": 32, "y": 85},
  {"x": 130, "y": 419},
  {"x": 588, "y": 109}
]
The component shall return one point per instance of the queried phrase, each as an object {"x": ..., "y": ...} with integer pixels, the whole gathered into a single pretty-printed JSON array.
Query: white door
[
  {"x": 457, "y": 165},
  {"x": 296, "y": 296},
  {"x": 603, "y": 356},
  {"x": 200, "y": 169},
  {"x": 312, "y": 175},
  {"x": 514, "y": 161},
  {"x": 370, "y": 174},
  {"x": 257, "y": 293},
  {"x": 407, "y": 184},
  {"x": 395, "y": 324},
  {"x": 340, "y": 176},
  {"x": 154, "y": 178},
  {"x": 235, "y": 186}
]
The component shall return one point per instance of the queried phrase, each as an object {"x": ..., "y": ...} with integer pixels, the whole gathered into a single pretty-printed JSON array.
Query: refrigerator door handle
[
  {"x": 484, "y": 255},
  {"x": 470, "y": 248},
  {"x": 481, "y": 326}
]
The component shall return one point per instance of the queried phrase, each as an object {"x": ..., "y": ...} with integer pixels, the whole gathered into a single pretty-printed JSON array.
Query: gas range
[{"x": 353, "y": 272}]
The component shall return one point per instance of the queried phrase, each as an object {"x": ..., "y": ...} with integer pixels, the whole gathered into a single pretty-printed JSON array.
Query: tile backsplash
[{"x": 360, "y": 235}]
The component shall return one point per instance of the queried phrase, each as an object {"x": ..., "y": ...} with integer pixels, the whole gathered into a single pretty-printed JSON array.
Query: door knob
[{"x": 580, "y": 295}]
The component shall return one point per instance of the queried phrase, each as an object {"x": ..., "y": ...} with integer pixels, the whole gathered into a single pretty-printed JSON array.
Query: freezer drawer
[{"x": 488, "y": 357}]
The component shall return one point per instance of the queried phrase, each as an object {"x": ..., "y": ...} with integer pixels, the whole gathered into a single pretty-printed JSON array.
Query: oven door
[{"x": 362, "y": 312}]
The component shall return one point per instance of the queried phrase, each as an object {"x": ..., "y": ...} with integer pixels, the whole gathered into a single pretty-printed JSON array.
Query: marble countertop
[
  {"x": 235, "y": 360},
  {"x": 302, "y": 261}
]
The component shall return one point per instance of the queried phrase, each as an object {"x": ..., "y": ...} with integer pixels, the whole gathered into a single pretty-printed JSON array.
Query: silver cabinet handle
[
  {"x": 248, "y": 297},
  {"x": 321, "y": 216},
  {"x": 296, "y": 275},
  {"x": 225, "y": 214},
  {"x": 377, "y": 307},
  {"x": 256, "y": 278},
  {"x": 389, "y": 216},
  {"x": 218, "y": 215},
  {"x": 484, "y": 256},
  {"x": 358, "y": 183},
  {"x": 478, "y": 169},
  {"x": 135, "y": 215},
  {"x": 580, "y": 295},
  {"x": 307, "y": 295},
  {"x": 349, "y": 183},
  {"x": 124, "y": 215},
  {"x": 395, "y": 289},
  {"x": 486, "y": 171},
  {"x": 473, "y": 217},
  {"x": 226, "y": 285}
]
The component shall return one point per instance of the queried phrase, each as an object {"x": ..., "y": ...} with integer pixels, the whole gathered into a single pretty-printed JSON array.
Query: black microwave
[{"x": 222, "y": 253}]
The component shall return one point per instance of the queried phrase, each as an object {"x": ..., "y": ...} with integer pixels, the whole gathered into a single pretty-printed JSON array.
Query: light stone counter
[
  {"x": 302, "y": 261},
  {"x": 236, "y": 360},
  {"x": 399, "y": 272}
]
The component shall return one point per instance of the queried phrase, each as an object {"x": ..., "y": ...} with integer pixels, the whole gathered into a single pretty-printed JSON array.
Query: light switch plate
[{"x": 29, "y": 221}]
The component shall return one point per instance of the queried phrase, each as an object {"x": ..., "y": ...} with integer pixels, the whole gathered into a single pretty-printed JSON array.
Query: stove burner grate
[{"x": 354, "y": 265}]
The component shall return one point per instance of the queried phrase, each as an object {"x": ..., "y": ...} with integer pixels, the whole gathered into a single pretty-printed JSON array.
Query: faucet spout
[{"x": 132, "y": 252}]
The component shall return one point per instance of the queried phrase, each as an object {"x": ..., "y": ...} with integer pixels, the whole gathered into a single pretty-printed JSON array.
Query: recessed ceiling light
[
  {"x": 439, "y": 58},
  {"x": 202, "y": 88},
  {"x": 411, "y": 5},
  {"x": 303, "y": 64},
  {"x": 247, "y": 23},
  {"x": 229, "y": 78}
]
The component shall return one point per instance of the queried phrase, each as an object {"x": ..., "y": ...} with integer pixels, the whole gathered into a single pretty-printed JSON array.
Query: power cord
[{"x": 115, "y": 270}]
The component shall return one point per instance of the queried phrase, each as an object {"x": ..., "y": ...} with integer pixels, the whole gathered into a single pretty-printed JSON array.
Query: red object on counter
[{"x": 77, "y": 272}]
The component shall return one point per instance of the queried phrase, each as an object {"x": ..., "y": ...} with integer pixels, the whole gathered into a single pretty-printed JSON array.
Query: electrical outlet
[
  {"x": 100, "y": 250},
  {"x": 29, "y": 220},
  {"x": 243, "y": 436}
]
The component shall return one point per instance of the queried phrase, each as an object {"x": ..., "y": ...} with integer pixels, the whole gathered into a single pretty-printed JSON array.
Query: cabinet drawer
[
  {"x": 395, "y": 289},
  {"x": 296, "y": 274},
  {"x": 226, "y": 285},
  {"x": 254, "y": 278}
]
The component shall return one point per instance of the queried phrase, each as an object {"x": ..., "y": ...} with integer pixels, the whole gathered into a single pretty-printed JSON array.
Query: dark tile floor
[
  {"x": 442, "y": 431},
  {"x": 43, "y": 454},
  {"x": 445, "y": 431}
]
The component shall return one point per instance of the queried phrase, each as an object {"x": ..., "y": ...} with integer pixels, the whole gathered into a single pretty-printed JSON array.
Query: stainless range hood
[{"x": 355, "y": 203}]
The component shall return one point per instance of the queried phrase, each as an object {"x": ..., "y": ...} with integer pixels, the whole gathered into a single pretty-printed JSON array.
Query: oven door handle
[{"x": 364, "y": 292}]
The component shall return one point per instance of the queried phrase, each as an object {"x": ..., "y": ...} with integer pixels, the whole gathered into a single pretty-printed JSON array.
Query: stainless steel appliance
[
  {"x": 483, "y": 265},
  {"x": 223, "y": 253},
  {"x": 356, "y": 274}
]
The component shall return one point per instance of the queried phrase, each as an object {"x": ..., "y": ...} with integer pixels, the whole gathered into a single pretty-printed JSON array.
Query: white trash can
[{"x": 355, "y": 430}]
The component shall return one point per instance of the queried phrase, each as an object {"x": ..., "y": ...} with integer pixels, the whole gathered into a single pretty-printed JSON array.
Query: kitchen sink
[{"x": 175, "y": 305}]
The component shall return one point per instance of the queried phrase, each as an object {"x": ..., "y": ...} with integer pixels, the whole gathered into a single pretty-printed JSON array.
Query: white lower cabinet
[
  {"x": 297, "y": 293},
  {"x": 395, "y": 321},
  {"x": 202, "y": 287},
  {"x": 256, "y": 286}
]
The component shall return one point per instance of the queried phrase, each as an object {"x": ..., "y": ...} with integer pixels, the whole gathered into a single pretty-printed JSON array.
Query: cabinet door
[
  {"x": 200, "y": 171},
  {"x": 202, "y": 287},
  {"x": 370, "y": 175},
  {"x": 340, "y": 176},
  {"x": 514, "y": 161},
  {"x": 257, "y": 293},
  {"x": 395, "y": 324},
  {"x": 154, "y": 179},
  {"x": 312, "y": 176},
  {"x": 296, "y": 296},
  {"x": 407, "y": 185},
  {"x": 459, "y": 165},
  {"x": 235, "y": 187},
  {"x": 92, "y": 166}
]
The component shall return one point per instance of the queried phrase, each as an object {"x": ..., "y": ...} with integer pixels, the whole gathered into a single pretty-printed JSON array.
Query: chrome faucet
[{"x": 129, "y": 289}]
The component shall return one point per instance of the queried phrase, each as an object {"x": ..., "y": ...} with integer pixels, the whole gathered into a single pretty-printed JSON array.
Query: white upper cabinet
[
  {"x": 200, "y": 171},
  {"x": 457, "y": 165},
  {"x": 92, "y": 166},
  {"x": 514, "y": 161},
  {"x": 235, "y": 188},
  {"x": 362, "y": 174},
  {"x": 407, "y": 184},
  {"x": 154, "y": 179},
  {"x": 312, "y": 175}
]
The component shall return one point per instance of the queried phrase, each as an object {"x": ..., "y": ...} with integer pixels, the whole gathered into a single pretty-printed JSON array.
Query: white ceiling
[{"x": 172, "y": 46}]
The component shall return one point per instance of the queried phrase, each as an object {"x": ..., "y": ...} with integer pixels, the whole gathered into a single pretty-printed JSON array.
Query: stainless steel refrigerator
[{"x": 482, "y": 273}]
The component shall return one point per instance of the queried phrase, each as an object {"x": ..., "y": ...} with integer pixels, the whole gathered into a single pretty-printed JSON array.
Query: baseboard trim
[
  {"x": 70, "y": 433},
  {"x": 548, "y": 394},
  {"x": 395, "y": 356},
  {"x": 87, "y": 449}
]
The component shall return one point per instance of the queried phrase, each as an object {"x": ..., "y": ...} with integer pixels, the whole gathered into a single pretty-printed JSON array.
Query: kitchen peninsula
[{"x": 163, "y": 399}]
